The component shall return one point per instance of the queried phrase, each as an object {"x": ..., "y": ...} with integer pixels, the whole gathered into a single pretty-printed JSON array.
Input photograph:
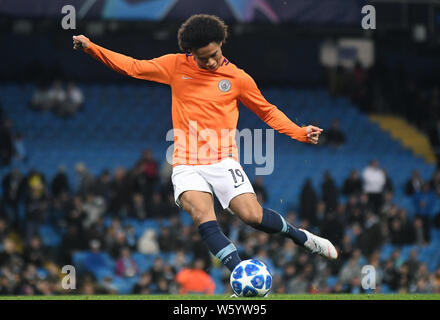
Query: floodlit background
[{"x": 82, "y": 148}]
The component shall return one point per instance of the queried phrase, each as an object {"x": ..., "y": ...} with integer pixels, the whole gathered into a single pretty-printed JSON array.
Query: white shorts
[{"x": 226, "y": 179}]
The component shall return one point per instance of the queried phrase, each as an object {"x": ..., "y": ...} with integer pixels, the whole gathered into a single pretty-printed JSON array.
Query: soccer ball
[{"x": 251, "y": 278}]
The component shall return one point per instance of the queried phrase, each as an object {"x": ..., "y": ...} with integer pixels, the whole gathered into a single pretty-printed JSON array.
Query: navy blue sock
[
  {"x": 273, "y": 222},
  {"x": 219, "y": 245}
]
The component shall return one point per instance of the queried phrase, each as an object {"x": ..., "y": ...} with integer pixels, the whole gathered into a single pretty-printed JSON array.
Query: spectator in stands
[
  {"x": 334, "y": 136},
  {"x": 330, "y": 192},
  {"x": 435, "y": 182},
  {"x": 353, "y": 211},
  {"x": 179, "y": 260},
  {"x": 137, "y": 207},
  {"x": 157, "y": 270},
  {"x": 37, "y": 205},
  {"x": 12, "y": 187},
  {"x": 162, "y": 287},
  {"x": 421, "y": 282},
  {"x": 56, "y": 96},
  {"x": 436, "y": 282},
  {"x": 102, "y": 186},
  {"x": 278, "y": 285},
  {"x": 106, "y": 286},
  {"x": 346, "y": 248},
  {"x": 421, "y": 231},
  {"x": 372, "y": 236},
  {"x": 125, "y": 264},
  {"x": 355, "y": 286},
  {"x": 195, "y": 279},
  {"x": 6, "y": 142},
  {"x": 169, "y": 274},
  {"x": 300, "y": 283},
  {"x": 73, "y": 102},
  {"x": 93, "y": 207},
  {"x": 88, "y": 288},
  {"x": 85, "y": 179},
  {"x": 390, "y": 275},
  {"x": 260, "y": 190},
  {"x": 337, "y": 81},
  {"x": 404, "y": 280},
  {"x": 308, "y": 201},
  {"x": 167, "y": 243},
  {"x": 425, "y": 203},
  {"x": 353, "y": 184},
  {"x": 144, "y": 285},
  {"x": 374, "y": 180},
  {"x": 130, "y": 237},
  {"x": 400, "y": 229},
  {"x": 71, "y": 242},
  {"x": 157, "y": 208},
  {"x": 333, "y": 225},
  {"x": 40, "y": 100},
  {"x": 35, "y": 253},
  {"x": 414, "y": 184},
  {"x": 434, "y": 138},
  {"x": 358, "y": 85},
  {"x": 10, "y": 258},
  {"x": 147, "y": 243},
  {"x": 413, "y": 264},
  {"x": 351, "y": 268},
  {"x": 60, "y": 182},
  {"x": 199, "y": 249},
  {"x": 20, "y": 153},
  {"x": 117, "y": 241},
  {"x": 150, "y": 169},
  {"x": 389, "y": 185},
  {"x": 120, "y": 193}
]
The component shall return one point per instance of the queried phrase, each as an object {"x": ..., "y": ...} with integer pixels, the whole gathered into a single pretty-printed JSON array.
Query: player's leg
[
  {"x": 234, "y": 191},
  {"x": 247, "y": 208},
  {"x": 200, "y": 206},
  {"x": 194, "y": 195}
]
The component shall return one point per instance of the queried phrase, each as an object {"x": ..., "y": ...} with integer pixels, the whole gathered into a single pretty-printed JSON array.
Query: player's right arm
[
  {"x": 158, "y": 69},
  {"x": 252, "y": 98}
]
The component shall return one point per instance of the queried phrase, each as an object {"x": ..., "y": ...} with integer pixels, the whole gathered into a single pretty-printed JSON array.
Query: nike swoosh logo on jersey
[
  {"x": 185, "y": 78},
  {"x": 238, "y": 185}
]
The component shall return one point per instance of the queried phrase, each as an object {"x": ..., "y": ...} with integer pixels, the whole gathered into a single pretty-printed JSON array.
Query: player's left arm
[{"x": 252, "y": 98}]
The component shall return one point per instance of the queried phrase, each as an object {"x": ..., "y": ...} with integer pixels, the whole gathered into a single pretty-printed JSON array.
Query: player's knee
[{"x": 199, "y": 215}]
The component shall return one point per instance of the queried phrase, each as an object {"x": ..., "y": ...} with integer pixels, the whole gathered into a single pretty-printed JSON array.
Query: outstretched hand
[
  {"x": 313, "y": 134},
  {"x": 80, "y": 42}
]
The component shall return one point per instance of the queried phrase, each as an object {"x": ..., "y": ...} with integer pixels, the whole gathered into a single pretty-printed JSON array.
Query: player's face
[{"x": 209, "y": 56}]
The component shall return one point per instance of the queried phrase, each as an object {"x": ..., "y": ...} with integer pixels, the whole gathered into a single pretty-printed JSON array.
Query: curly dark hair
[{"x": 200, "y": 30}]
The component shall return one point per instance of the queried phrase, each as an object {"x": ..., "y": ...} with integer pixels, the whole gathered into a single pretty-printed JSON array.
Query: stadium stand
[{"x": 119, "y": 121}]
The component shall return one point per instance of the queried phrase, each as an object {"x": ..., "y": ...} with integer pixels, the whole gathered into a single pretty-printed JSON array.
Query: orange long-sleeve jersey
[{"x": 204, "y": 103}]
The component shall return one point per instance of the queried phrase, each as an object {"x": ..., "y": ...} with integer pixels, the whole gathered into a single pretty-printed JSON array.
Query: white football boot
[{"x": 320, "y": 246}]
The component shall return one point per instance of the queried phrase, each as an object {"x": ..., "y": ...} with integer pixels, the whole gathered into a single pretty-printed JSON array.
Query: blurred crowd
[
  {"x": 358, "y": 217},
  {"x": 62, "y": 100}
]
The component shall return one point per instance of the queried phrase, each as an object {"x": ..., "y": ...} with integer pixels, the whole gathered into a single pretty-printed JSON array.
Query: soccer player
[{"x": 206, "y": 91}]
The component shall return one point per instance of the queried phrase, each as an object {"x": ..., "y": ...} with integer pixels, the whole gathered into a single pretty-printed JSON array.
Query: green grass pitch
[{"x": 227, "y": 297}]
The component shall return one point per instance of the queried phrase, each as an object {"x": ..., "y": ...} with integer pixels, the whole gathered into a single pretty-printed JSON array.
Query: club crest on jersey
[{"x": 224, "y": 85}]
